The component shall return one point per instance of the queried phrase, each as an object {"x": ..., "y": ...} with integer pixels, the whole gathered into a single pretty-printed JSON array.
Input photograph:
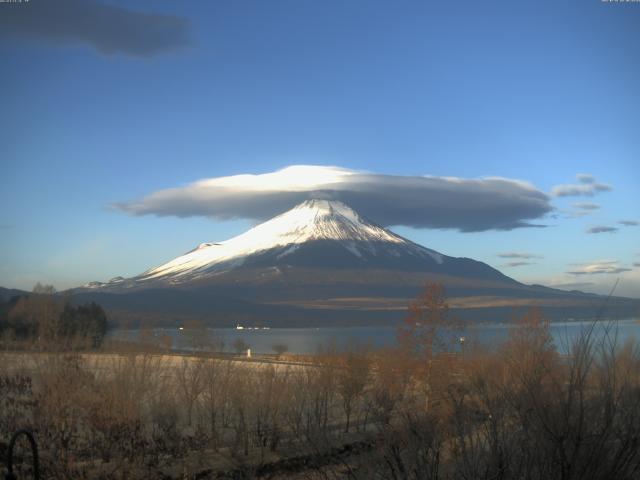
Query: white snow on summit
[{"x": 310, "y": 220}]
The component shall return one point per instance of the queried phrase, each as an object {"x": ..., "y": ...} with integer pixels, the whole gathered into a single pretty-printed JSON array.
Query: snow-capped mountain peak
[{"x": 312, "y": 220}]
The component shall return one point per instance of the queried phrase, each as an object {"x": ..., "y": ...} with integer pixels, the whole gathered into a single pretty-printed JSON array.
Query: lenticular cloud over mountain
[{"x": 489, "y": 203}]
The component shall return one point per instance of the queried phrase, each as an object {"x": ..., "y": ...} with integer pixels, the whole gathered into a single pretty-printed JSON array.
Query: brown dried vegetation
[{"x": 429, "y": 410}]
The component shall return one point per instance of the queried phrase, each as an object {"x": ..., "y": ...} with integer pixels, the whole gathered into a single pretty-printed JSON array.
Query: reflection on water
[{"x": 307, "y": 340}]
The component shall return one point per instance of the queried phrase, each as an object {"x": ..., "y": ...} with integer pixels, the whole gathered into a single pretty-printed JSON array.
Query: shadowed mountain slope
[{"x": 318, "y": 260}]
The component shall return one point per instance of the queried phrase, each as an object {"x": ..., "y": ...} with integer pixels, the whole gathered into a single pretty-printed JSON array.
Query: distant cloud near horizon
[
  {"x": 518, "y": 264},
  {"x": 629, "y": 223},
  {"x": 599, "y": 267},
  {"x": 107, "y": 28},
  {"x": 585, "y": 178},
  {"x": 602, "y": 229},
  {"x": 468, "y": 205},
  {"x": 587, "y": 187},
  {"x": 572, "y": 285},
  {"x": 582, "y": 209},
  {"x": 586, "y": 206},
  {"x": 518, "y": 255}
]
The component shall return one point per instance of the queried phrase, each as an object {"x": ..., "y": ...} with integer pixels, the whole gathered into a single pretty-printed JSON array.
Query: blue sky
[{"x": 534, "y": 91}]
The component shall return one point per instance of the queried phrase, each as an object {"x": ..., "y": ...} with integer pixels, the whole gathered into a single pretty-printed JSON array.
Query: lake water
[{"x": 307, "y": 340}]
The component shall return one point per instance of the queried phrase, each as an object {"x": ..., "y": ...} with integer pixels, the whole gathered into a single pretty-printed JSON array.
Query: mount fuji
[
  {"x": 315, "y": 233},
  {"x": 318, "y": 263}
]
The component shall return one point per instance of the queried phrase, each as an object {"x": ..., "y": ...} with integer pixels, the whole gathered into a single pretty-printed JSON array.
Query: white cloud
[
  {"x": 519, "y": 255},
  {"x": 580, "y": 209},
  {"x": 585, "y": 178},
  {"x": 518, "y": 264},
  {"x": 490, "y": 203},
  {"x": 623, "y": 283},
  {"x": 571, "y": 285},
  {"x": 586, "y": 206},
  {"x": 587, "y": 187},
  {"x": 599, "y": 267}
]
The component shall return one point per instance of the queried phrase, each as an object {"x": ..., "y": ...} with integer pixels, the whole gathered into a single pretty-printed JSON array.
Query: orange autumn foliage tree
[
  {"x": 428, "y": 333},
  {"x": 428, "y": 326},
  {"x": 530, "y": 346}
]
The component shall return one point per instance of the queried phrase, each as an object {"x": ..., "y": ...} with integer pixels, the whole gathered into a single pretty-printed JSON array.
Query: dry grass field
[
  {"x": 426, "y": 409},
  {"x": 521, "y": 411}
]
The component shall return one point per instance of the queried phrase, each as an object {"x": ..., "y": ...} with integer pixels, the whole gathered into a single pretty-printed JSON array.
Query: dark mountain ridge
[{"x": 322, "y": 263}]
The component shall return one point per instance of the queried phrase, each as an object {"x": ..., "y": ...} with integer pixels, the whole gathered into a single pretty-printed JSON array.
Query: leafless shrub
[
  {"x": 521, "y": 411},
  {"x": 279, "y": 348},
  {"x": 353, "y": 377}
]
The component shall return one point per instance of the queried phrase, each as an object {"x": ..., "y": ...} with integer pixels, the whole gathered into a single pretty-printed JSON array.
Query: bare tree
[
  {"x": 197, "y": 336},
  {"x": 38, "y": 316},
  {"x": 190, "y": 376},
  {"x": 240, "y": 346},
  {"x": 218, "y": 381},
  {"x": 353, "y": 376},
  {"x": 392, "y": 377},
  {"x": 279, "y": 348},
  {"x": 428, "y": 326},
  {"x": 428, "y": 330}
]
